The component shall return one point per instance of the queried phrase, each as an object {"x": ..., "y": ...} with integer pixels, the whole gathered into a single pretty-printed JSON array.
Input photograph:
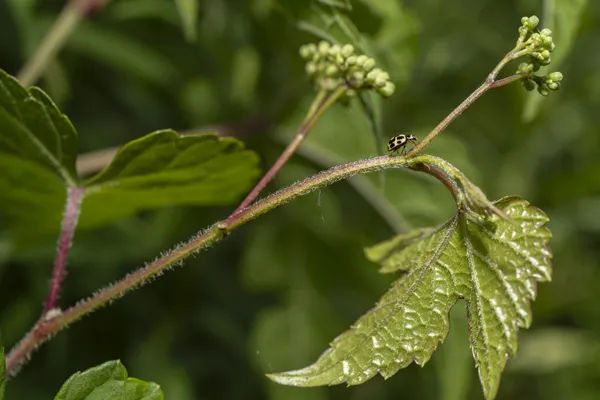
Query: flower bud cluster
[
  {"x": 537, "y": 46},
  {"x": 544, "y": 83},
  {"x": 330, "y": 66}
]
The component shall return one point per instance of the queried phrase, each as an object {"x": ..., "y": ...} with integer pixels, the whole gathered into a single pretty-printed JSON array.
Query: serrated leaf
[
  {"x": 164, "y": 168},
  {"x": 107, "y": 381},
  {"x": 2, "y": 371},
  {"x": 495, "y": 267},
  {"x": 188, "y": 11},
  {"x": 32, "y": 128}
]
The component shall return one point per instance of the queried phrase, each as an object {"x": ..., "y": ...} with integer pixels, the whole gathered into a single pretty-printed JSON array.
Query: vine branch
[
  {"x": 489, "y": 83},
  {"x": 50, "y": 324},
  {"x": 321, "y": 103}
]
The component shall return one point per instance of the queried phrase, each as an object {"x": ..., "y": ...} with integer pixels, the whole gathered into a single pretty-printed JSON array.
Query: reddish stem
[
  {"x": 69, "y": 222},
  {"x": 323, "y": 102}
]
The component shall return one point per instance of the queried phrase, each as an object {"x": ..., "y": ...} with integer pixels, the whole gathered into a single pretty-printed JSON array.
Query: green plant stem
[
  {"x": 52, "y": 323},
  {"x": 363, "y": 186},
  {"x": 321, "y": 103},
  {"x": 54, "y": 40},
  {"x": 489, "y": 83}
]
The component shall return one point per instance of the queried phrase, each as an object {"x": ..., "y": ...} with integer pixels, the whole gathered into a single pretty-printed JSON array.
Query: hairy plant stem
[
  {"x": 52, "y": 323},
  {"x": 321, "y": 103},
  {"x": 69, "y": 222},
  {"x": 53, "y": 41}
]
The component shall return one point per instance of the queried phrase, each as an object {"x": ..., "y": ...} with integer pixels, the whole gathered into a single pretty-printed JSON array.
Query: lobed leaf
[
  {"x": 107, "y": 381},
  {"x": 494, "y": 266}
]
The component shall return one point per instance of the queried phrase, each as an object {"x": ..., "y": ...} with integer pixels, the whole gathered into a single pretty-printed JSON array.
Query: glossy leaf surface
[{"x": 494, "y": 266}]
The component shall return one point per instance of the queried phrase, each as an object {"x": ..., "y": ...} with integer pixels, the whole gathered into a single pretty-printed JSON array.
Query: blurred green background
[{"x": 272, "y": 296}]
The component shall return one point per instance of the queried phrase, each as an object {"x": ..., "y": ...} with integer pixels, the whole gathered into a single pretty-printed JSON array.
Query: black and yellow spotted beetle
[{"x": 400, "y": 142}]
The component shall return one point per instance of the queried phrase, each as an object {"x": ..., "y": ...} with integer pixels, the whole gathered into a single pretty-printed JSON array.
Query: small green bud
[
  {"x": 359, "y": 77},
  {"x": 381, "y": 79},
  {"x": 324, "y": 47},
  {"x": 533, "y": 22},
  {"x": 543, "y": 90},
  {"x": 334, "y": 50},
  {"x": 555, "y": 76},
  {"x": 547, "y": 40},
  {"x": 347, "y": 50},
  {"x": 537, "y": 40},
  {"x": 546, "y": 61},
  {"x": 369, "y": 64},
  {"x": 307, "y": 51},
  {"x": 545, "y": 54},
  {"x": 311, "y": 68},
  {"x": 524, "y": 21},
  {"x": 525, "y": 68},
  {"x": 351, "y": 61},
  {"x": 339, "y": 59},
  {"x": 316, "y": 57},
  {"x": 371, "y": 76},
  {"x": 546, "y": 32},
  {"x": 331, "y": 70},
  {"x": 360, "y": 60},
  {"x": 388, "y": 89},
  {"x": 553, "y": 86}
]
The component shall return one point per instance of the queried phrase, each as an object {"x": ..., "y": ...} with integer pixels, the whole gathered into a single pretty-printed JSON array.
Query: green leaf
[
  {"x": 494, "y": 266},
  {"x": 38, "y": 150},
  {"x": 188, "y": 11},
  {"x": 33, "y": 129},
  {"x": 106, "y": 382},
  {"x": 2, "y": 371},
  {"x": 164, "y": 168}
]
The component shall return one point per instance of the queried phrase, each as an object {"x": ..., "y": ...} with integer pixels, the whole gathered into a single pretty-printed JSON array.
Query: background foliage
[{"x": 277, "y": 291}]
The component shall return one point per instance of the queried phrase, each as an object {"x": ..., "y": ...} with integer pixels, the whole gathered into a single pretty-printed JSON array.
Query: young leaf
[
  {"x": 164, "y": 168},
  {"x": 107, "y": 381},
  {"x": 188, "y": 11},
  {"x": 33, "y": 129},
  {"x": 494, "y": 266}
]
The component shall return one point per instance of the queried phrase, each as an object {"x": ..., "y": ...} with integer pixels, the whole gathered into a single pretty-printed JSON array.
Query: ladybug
[{"x": 399, "y": 142}]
